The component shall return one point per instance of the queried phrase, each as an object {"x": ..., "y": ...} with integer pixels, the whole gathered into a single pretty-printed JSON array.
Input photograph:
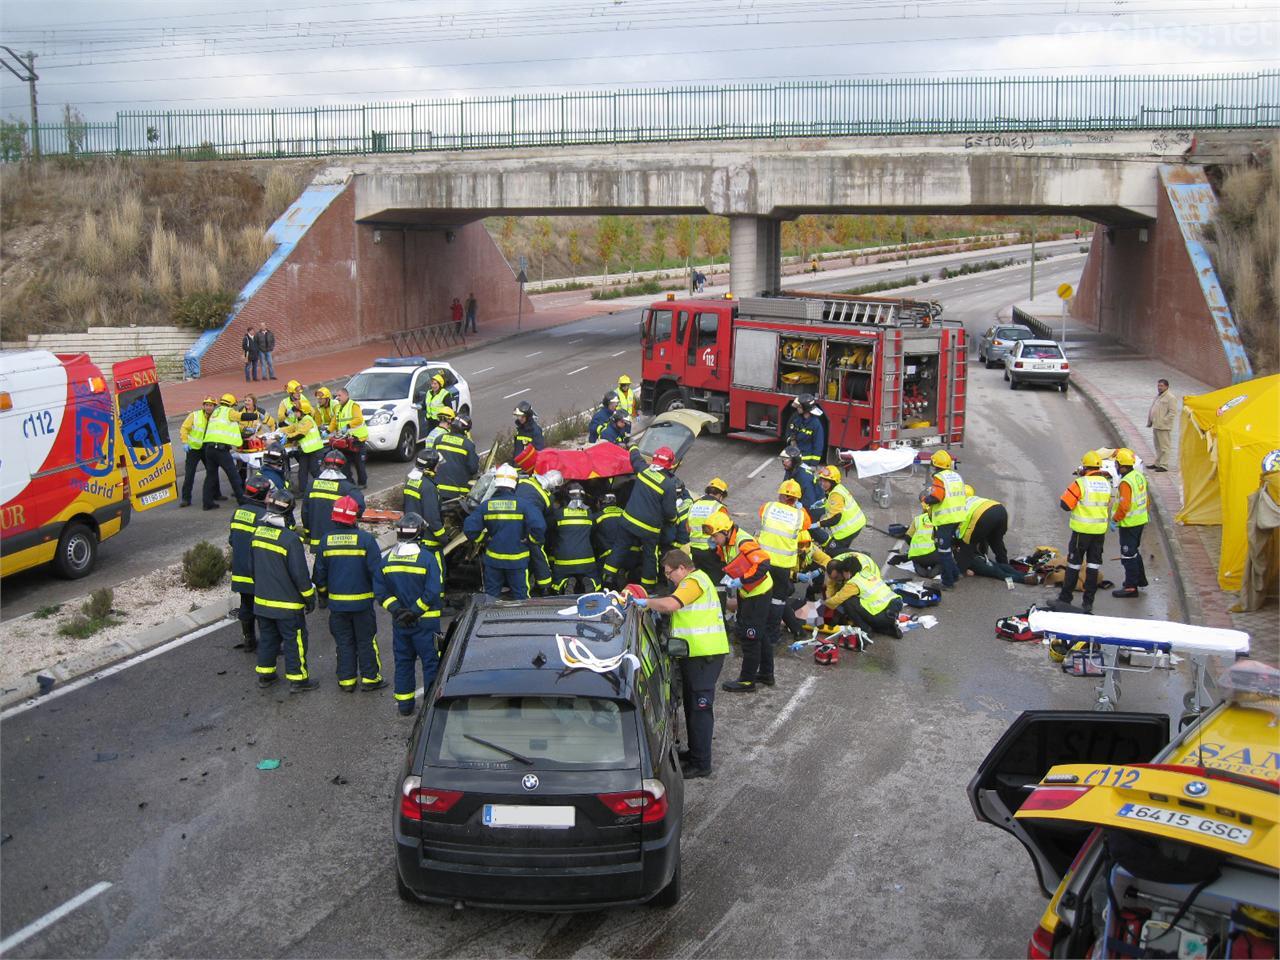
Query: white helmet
[
  {"x": 506, "y": 476},
  {"x": 551, "y": 480}
]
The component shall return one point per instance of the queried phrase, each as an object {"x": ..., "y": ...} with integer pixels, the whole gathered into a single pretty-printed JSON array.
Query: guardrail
[
  {"x": 423, "y": 341},
  {"x": 865, "y": 107}
]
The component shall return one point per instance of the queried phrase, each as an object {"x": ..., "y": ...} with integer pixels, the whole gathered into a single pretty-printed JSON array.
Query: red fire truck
[{"x": 887, "y": 372}]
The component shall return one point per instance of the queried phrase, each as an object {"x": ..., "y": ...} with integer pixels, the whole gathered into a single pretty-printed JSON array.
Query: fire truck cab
[{"x": 886, "y": 372}]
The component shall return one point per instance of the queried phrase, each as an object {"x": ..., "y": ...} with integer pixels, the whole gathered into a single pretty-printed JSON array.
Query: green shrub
[
  {"x": 204, "y": 309},
  {"x": 882, "y": 285},
  {"x": 44, "y": 613},
  {"x": 633, "y": 290},
  {"x": 94, "y": 615},
  {"x": 99, "y": 604},
  {"x": 203, "y": 566}
]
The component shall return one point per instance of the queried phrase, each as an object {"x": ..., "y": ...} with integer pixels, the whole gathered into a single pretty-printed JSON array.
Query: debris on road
[
  {"x": 268, "y": 764},
  {"x": 106, "y": 757}
]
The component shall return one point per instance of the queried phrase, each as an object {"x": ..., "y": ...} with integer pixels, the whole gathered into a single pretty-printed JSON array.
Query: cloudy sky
[{"x": 108, "y": 55}]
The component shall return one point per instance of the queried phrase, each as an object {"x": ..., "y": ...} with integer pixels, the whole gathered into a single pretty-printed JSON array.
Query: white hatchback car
[
  {"x": 1037, "y": 361},
  {"x": 392, "y": 395}
]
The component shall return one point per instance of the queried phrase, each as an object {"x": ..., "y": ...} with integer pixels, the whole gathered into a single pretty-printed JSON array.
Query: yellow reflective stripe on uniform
[
  {"x": 504, "y": 516},
  {"x": 243, "y": 527},
  {"x": 321, "y": 495},
  {"x": 263, "y": 545},
  {"x": 302, "y": 660},
  {"x": 386, "y": 604},
  {"x": 506, "y": 556},
  {"x": 851, "y": 519},
  {"x": 351, "y": 596},
  {"x": 640, "y": 523},
  {"x": 344, "y": 553},
  {"x": 574, "y": 523},
  {"x": 236, "y": 578},
  {"x": 649, "y": 482},
  {"x": 278, "y": 604},
  {"x": 403, "y": 568},
  {"x": 574, "y": 563},
  {"x": 404, "y": 696},
  {"x": 377, "y": 660}
]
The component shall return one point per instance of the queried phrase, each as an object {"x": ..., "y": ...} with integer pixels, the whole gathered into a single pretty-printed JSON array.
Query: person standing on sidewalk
[
  {"x": 192, "y": 436},
  {"x": 1088, "y": 500},
  {"x": 250, "y": 347},
  {"x": 1130, "y": 517},
  {"x": 1162, "y": 418},
  {"x": 266, "y": 346},
  {"x": 470, "y": 311},
  {"x": 455, "y": 314}
]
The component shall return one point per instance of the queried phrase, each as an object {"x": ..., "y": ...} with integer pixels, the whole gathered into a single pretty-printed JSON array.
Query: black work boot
[
  {"x": 302, "y": 686},
  {"x": 248, "y": 637},
  {"x": 738, "y": 686}
]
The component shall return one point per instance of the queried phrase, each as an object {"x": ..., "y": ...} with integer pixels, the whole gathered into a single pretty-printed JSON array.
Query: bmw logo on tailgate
[
  {"x": 1196, "y": 788},
  {"x": 530, "y": 782}
]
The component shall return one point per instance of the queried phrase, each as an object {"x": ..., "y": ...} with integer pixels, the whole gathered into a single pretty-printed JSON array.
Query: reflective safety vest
[
  {"x": 922, "y": 539},
  {"x": 974, "y": 508},
  {"x": 222, "y": 429},
  {"x": 701, "y": 623},
  {"x": 743, "y": 542},
  {"x": 199, "y": 423},
  {"x": 627, "y": 401},
  {"x": 435, "y": 401},
  {"x": 699, "y": 511},
  {"x": 311, "y": 439},
  {"x": 780, "y": 526},
  {"x": 1137, "y": 513},
  {"x": 344, "y": 414},
  {"x": 873, "y": 593},
  {"x": 869, "y": 567},
  {"x": 951, "y": 509},
  {"x": 1090, "y": 513},
  {"x": 852, "y": 519}
]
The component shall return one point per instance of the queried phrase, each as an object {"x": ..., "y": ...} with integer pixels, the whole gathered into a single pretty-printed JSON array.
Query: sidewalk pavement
[
  {"x": 183, "y": 396},
  {"x": 1121, "y": 386}
]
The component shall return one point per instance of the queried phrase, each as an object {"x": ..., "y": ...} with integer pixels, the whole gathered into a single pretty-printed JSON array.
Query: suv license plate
[
  {"x": 1187, "y": 821},
  {"x": 512, "y": 815}
]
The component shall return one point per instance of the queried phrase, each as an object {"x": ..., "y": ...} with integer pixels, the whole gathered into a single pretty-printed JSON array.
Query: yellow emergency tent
[{"x": 1225, "y": 435}]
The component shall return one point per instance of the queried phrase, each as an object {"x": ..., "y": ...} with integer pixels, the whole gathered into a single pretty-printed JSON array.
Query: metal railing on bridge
[
  {"x": 424, "y": 341},
  {"x": 1015, "y": 105}
]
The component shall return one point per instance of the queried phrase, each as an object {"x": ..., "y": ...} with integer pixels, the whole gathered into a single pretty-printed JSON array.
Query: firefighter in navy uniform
[
  {"x": 410, "y": 591},
  {"x": 603, "y": 414},
  {"x": 508, "y": 527},
  {"x": 650, "y": 507},
  {"x": 421, "y": 496},
  {"x": 243, "y": 522},
  {"x": 347, "y": 575},
  {"x": 275, "y": 467},
  {"x": 528, "y": 432},
  {"x": 458, "y": 461},
  {"x": 618, "y": 429},
  {"x": 607, "y": 525},
  {"x": 573, "y": 556},
  {"x": 326, "y": 489},
  {"x": 535, "y": 494},
  {"x": 282, "y": 596},
  {"x": 806, "y": 432},
  {"x": 794, "y": 468}
]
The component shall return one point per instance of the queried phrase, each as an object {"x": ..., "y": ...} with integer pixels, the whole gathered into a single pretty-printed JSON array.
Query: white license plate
[
  {"x": 513, "y": 815},
  {"x": 1045, "y": 366},
  {"x": 156, "y": 497},
  {"x": 1187, "y": 821}
]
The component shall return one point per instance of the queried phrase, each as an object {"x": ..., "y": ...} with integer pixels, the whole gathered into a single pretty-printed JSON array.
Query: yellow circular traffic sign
[{"x": 1065, "y": 291}]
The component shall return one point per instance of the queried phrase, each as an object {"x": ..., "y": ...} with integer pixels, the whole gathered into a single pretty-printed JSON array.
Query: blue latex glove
[
  {"x": 732, "y": 584},
  {"x": 1111, "y": 525},
  {"x": 798, "y": 646},
  {"x": 640, "y": 602},
  {"x": 808, "y": 576}
]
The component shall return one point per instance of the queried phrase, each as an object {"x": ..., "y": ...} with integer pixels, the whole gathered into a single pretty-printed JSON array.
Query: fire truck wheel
[
  {"x": 671, "y": 400},
  {"x": 77, "y": 551}
]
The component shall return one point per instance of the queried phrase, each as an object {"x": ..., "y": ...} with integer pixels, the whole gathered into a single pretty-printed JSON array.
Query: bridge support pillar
[{"x": 755, "y": 257}]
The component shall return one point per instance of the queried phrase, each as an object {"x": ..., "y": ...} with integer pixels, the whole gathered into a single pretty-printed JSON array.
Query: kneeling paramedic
[
  {"x": 856, "y": 593},
  {"x": 746, "y": 565},
  {"x": 282, "y": 595},
  {"x": 410, "y": 591},
  {"x": 509, "y": 527},
  {"x": 243, "y": 523},
  {"x": 696, "y": 619},
  {"x": 347, "y": 574}
]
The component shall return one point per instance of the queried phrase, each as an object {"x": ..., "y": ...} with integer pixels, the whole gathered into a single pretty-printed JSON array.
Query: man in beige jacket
[{"x": 1162, "y": 418}]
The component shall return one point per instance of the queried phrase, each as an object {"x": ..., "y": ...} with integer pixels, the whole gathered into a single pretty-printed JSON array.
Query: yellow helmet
[
  {"x": 789, "y": 488},
  {"x": 1125, "y": 457},
  {"x": 208, "y": 400},
  {"x": 624, "y": 381},
  {"x": 718, "y": 522},
  {"x": 324, "y": 393},
  {"x": 292, "y": 386},
  {"x": 830, "y": 472},
  {"x": 968, "y": 490},
  {"x": 942, "y": 460},
  {"x": 1091, "y": 460},
  {"x": 715, "y": 483},
  {"x": 438, "y": 378},
  {"x": 445, "y": 413},
  {"x": 229, "y": 399}
]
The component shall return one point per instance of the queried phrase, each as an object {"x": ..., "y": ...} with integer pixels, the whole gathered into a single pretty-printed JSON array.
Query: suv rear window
[
  {"x": 1042, "y": 352},
  {"x": 561, "y": 733}
]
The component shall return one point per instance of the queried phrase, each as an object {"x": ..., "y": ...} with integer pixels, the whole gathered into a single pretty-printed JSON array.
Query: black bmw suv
[{"x": 535, "y": 783}]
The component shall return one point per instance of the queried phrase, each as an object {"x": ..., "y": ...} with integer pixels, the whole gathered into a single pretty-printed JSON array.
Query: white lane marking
[
  {"x": 801, "y": 694},
  {"x": 517, "y": 393},
  {"x": 576, "y": 340},
  {"x": 476, "y": 373},
  {"x": 579, "y": 370},
  {"x": 57, "y": 692},
  {"x": 52, "y": 917},
  {"x": 534, "y": 354},
  {"x": 758, "y": 470},
  {"x": 619, "y": 353}
]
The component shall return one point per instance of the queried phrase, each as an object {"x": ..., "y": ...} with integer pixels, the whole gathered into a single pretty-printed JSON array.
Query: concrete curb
[
  {"x": 73, "y": 668},
  {"x": 1188, "y": 597}
]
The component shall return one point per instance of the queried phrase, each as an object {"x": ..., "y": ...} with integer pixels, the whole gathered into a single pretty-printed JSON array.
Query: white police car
[{"x": 393, "y": 394}]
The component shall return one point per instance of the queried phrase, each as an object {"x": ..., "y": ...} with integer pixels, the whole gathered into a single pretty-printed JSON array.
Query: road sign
[
  {"x": 522, "y": 278},
  {"x": 1065, "y": 291},
  {"x": 524, "y": 263}
]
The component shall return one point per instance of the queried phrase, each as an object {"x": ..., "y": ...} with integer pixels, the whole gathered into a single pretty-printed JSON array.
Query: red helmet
[
  {"x": 636, "y": 590},
  {"x": 345, "y": 511},
  {"x": 664, "y": 458},
  {"x": 827, "y": 654}
]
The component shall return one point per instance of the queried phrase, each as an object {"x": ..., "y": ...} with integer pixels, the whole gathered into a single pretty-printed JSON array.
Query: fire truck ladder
[
  {"x": 891, "y": 375},
  {"x": 870, "y": 311}
]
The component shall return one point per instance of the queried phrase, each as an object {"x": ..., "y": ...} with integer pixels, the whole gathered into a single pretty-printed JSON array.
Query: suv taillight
[
  {"x": 650, "y": 803},
  {"x": 415, "y": 799}
]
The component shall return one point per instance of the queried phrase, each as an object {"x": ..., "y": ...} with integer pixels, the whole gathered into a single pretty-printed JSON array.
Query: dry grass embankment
[
  {"x": 132, "y": 241},
  {"x": 1246, "y": 254}
]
